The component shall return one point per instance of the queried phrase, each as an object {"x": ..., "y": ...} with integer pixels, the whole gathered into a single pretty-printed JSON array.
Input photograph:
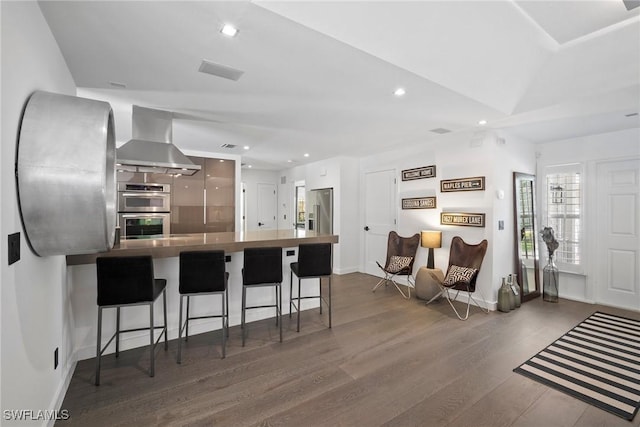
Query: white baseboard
[{"x": 61, "y": 392}]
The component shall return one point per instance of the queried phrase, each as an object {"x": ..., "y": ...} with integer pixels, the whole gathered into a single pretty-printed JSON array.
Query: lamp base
[{"x": 430, "y": 259}]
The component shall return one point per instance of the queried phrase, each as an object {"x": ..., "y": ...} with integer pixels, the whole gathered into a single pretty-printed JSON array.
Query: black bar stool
[
  {"x": 124, "y": 282},
  {"x": 262, "y": 267},
  {"x": 203, "y": 273},
  {"x": 314, "y": 261}
]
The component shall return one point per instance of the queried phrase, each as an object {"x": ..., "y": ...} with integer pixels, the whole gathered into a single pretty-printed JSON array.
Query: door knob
[
  {"x": 260, "y": 224},
  {"x": 366, "y": 228}
]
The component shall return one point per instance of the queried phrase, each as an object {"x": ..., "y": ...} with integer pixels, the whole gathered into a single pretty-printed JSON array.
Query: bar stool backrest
[
  {"x": 314, "y": 259},
  {"x": 202, "y": 271},
  {"x": 262, "y": 265},
  {"x": 124, "y": 280}
]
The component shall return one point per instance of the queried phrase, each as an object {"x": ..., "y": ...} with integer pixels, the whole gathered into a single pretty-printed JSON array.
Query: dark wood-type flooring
[{"x": 386, "y": 361}]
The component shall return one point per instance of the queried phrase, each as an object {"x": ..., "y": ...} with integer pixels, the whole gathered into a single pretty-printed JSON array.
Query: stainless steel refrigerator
[{"x": 321, "y": 215}]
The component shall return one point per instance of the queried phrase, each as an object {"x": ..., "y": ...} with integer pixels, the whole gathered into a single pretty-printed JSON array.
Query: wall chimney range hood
[{"x": 151, "y": 148}]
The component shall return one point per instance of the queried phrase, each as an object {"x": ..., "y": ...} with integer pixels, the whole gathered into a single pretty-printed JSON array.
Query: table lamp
[{"x": 431, "y": 239}]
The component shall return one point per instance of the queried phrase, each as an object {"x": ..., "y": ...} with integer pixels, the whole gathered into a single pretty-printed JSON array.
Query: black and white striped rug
[{"x": 598, "y": 362}]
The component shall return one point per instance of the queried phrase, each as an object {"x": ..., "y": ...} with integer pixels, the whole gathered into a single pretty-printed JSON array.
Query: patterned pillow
[
  {"x": 457, "y": 274},
  {"x": 397, "y": 263}
]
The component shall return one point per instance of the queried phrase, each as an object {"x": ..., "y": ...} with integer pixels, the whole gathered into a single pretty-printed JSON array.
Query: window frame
[{"x": 571, "y": 168}]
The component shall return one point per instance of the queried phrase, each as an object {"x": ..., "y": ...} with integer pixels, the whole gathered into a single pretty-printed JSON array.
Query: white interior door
[
  {"x": 380, "y": 217},
  {"x": 267, "y": 206},
  {"x": 617, "y": 240}
]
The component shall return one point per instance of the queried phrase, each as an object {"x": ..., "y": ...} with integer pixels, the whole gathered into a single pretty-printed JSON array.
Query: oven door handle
[
  {"x": 149, "y": 194},
  {"x": 157, "y": 215}
]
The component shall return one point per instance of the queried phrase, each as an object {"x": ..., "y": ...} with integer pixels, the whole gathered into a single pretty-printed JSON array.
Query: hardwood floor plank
[{"x": 386, "y": 361}]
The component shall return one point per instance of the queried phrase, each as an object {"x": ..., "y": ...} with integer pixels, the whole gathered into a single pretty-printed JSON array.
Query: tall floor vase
[{"x": 550, "y": 277}]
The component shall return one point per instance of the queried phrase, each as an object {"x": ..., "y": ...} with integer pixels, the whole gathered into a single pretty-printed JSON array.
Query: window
[
  {"x": 564, "y": 213},
  {"x": 300, "y": 207}
]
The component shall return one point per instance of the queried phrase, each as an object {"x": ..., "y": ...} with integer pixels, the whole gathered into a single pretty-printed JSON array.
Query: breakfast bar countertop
[{"x": 173, "y": 244}]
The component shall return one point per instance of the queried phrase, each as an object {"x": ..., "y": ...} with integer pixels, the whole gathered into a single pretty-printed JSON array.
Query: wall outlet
[
  {"x": 500, "y": 225},
  {"x": 55, "y": 358},
  {"x": 14, "y": 248},
  {"x": 227, "y": 258},
  {"x": 291, "y": 252}
]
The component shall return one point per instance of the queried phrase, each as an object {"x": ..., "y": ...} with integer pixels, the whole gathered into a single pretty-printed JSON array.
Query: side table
[{"x": 427, "y": 282}]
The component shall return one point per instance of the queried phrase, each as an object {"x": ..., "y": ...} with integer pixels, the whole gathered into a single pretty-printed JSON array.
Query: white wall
[
  {"x": 459, "y": 155},
  {"x": 588, "y": 151},
  {"x": 339, "y": 173},
  {"x": 33, "y": 298}
]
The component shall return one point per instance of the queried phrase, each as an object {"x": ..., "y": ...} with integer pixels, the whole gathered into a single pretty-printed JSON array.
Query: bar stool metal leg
[
  {"x": 224, "y": 327},
  {"x": 299, "y": 308},
  {"x": 329, "y": 302},
  {"x": 180, "y": 327},
  {"x": 164, "y": 304},
  {"x": 99, "y": 346},
  {"x": 117, "y": 331},
  {"x": 152, "y": 370},
  {"x": 244, "y": 304}
]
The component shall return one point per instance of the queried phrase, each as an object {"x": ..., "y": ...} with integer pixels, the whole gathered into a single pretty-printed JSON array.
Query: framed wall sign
[
  {"x": 462, "y": 184},
  {"x": 419, "y": 203},
  {"x": 463, "y": 219},
  {"x": 419, "y": 173}
]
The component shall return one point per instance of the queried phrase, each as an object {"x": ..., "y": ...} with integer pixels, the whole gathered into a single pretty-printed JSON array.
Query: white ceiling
[{"x": 319, "y": 76}]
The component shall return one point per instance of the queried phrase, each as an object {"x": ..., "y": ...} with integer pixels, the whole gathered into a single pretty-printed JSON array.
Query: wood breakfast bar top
[{"x": 172, "y": 244}]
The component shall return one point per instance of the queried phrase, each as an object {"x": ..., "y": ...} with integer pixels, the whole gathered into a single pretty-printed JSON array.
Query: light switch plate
[{"x": 14, "y": 248}]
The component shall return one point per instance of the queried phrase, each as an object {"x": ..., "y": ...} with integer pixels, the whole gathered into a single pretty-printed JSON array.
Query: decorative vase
[
  {"x": 550, "y": 277},
  {"x": 504, "y": 299},
  {"x": 513, "y": 283}
]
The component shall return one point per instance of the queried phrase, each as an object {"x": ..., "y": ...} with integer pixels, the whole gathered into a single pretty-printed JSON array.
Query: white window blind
[{"x": 564, "y": 212}]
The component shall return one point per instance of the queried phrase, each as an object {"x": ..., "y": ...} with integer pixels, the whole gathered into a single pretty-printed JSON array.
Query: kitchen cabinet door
[
  {"x": 220, "y": 195},
  {"x": 187, "y": 201}
]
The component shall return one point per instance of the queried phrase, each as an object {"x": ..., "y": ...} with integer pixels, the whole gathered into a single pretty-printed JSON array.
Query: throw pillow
[
  {"x": 457, "y": 274},
  {"x": 397, "y": 263}
]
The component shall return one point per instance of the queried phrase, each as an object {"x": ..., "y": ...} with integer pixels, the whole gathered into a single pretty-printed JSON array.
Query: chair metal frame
[
  {"x": 276, "y": 285},
  {"x": 152, "y": 342},
  {"x": 389, "y": 276},
  {"x": 185, "y": 326},
  {"x": 224, "y": 294},
  {"x": 299, "y": 297},
  {"x": 469, "y": 287},
  {"x": 146, "y": 264}
]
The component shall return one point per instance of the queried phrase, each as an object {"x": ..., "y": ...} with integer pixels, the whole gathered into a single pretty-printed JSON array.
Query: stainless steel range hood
[{"x": 151, "y": 148}]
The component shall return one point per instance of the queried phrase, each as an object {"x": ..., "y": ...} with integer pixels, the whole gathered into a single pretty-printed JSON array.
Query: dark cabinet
[
  {"x": 219, "y": 195},
  {"x": 204, "y": 201}
]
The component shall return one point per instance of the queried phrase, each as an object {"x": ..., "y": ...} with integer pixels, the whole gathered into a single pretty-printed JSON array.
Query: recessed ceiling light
[
  {"x": 482, "y": 122},
  {"x": 229, "y": 30},
  {"x": 306, "y": 154},
  {"x": 118, "y": 85},
  {"x": 246, "y": 147},
  {"x": 399, "y": 92},
  {"x": 289, "y": 161},
  {"x": 248, "y": 166}
]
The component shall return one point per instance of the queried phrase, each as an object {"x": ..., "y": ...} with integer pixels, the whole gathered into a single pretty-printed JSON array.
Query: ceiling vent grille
[
  {"x": 440, "y": 130},
  {"x": 219, "y": 70},
  {"x": 229, "y": 146}
]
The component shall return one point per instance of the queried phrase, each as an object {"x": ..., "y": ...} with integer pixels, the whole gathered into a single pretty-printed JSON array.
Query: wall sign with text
[
  {"x": 463, "y": 219},
  {"x": 462, "y": 184},
  {"x": 419, "y": 203},
  {"x": 419, "y": 173}
]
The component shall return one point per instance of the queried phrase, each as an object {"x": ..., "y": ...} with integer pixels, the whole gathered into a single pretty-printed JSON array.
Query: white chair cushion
[{"x": 457, "y": 274}]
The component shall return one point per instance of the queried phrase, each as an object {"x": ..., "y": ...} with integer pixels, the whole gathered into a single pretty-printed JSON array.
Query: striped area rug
[{"x": 598, "y": 362}]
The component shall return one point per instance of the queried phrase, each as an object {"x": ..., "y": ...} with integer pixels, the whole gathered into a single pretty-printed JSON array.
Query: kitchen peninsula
[
  {"x": 173, "y": 244},
  {"x": 81, "y": 277}
]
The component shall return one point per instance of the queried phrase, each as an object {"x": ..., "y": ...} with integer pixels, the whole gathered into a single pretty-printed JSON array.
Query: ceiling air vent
[
  {"x": 229, "y": 146},
  {"x": 440, "y": 130},
  {"x": 220, "y": 70}
]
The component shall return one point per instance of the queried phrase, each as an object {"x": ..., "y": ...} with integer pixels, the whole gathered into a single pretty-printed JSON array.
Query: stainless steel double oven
[{"x": 144, "y": 209}]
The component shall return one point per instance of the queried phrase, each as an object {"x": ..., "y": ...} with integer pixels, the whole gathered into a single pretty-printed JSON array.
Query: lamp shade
[{"x": 431, "y": 239}]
